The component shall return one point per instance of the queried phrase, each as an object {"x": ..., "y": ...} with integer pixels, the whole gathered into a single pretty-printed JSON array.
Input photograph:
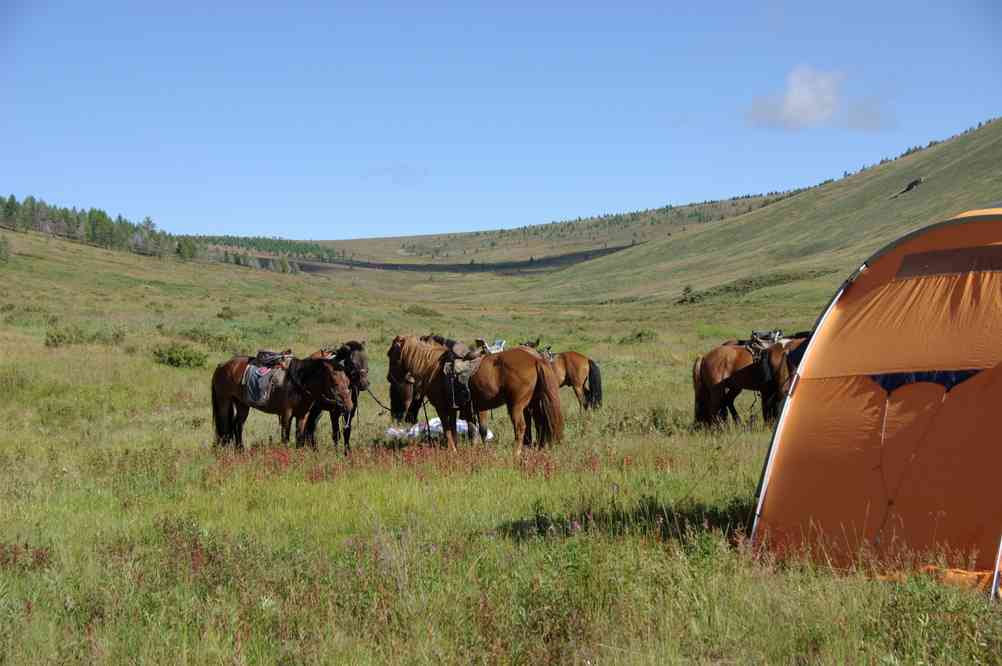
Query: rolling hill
[
  {"x": 829, "y": 228},
  {"x": 555, "y": 238}
]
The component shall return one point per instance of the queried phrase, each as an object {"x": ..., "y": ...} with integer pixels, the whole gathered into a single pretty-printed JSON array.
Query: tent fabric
[{"x": 888, "y": 442}]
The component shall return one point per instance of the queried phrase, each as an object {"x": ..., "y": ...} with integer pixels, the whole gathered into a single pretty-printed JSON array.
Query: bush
[
  {"x": 179, "y": 355},
  {"x": 638, "y": 336},
  {"x": 4, "y": 250},
  {"x": 421, "y": 311},
  {"x": 227, "y": 313},
  {"x": 222, "y": 342},
  {"x": 73, "y": 334},
  {"x": 65, "y": 335}
]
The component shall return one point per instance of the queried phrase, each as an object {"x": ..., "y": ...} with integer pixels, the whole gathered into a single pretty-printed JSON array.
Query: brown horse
[
  {"x": 516, "y": 378},
  {"x": 355, "y": 361},
  {"x": 576, "y": 370},
  {"x": 406, "y": 401},
  {"x": 719, "y": 376},
  {"x": 306, "y": 382}
]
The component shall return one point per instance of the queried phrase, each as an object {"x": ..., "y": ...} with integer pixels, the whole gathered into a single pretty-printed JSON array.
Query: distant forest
[{"x": 94, "y": 226}]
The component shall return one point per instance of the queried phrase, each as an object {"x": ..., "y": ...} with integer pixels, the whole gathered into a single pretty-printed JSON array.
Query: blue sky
[{"x": 331, "y": 121}]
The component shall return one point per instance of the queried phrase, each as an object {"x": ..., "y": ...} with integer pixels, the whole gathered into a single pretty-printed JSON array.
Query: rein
[{"x": 385, "y": 408}]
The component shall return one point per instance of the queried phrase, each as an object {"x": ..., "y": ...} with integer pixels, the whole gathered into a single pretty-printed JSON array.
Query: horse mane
[
  {"x": 344, "y": 350},
  {"x": 434, "y": 337},
  {"x": 420, "y": 358}
]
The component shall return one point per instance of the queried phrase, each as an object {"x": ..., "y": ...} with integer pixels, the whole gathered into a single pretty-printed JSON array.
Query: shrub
[
  {"x": 4, "y": 250},
  {"x": 421, "y": 311},
  {"x": 73, "y": 334},
  {"x": 638, "y": 336},
  {"x": 65, "y": 335},
  {"x": 179, "y": 355},
  {"x": 113, "y": 336},
  {"x": 215, "y": 341},
  {"x": 227, "y": 313}
]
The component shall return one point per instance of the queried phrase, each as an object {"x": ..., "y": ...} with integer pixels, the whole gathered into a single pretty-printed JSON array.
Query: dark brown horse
[
  {"x": 306, "y": 382},
  {"x": 516, "y": 378},
  {"x": 405, "y": 402},
  {"x": 719, "y": 376},
  {"x": 355, "y": 361},
  {"x": 576, "y": 370}
]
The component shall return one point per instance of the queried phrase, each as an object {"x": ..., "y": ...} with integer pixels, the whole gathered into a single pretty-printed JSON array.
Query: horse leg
[
  {"x": 517, "y": 413},
  {"x": 286, "y": 420},
  {"x": 481, "y": 427},
  {"x": 582, "y": 398},
  {"x": 449, "y": 428},
  {"x": 242, "y": 411},
  {"x": 527, "y": 415},
  {"x": 730, "y": 395},
  {"x": 335, "y": 426},
  {"x": 309, "y": 431},
  {"x": 349, "y": 418},
  {"x": 471, "y": 432}
]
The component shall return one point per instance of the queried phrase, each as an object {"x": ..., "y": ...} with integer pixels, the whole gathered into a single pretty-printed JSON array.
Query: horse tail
[
  {"x": 593, "y": 395},
  {"x": 699, "y": 394},
  {"x": 220, "y": 417},
  {"x": 546, "y": 405}
]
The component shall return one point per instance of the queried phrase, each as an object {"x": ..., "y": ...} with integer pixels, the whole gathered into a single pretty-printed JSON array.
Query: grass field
[{"x": 127, "y": 538}]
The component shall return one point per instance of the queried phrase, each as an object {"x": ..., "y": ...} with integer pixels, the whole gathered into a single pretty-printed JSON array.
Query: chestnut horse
[
  {"x": 353, "y": 358},
  {"x": 516, "y": 378},
  {"x": 306, "y": 382},
  {"x": 406, "y": 401},
  {"x": 578, "y": 371},
  {"x": 719, "y": 376}
]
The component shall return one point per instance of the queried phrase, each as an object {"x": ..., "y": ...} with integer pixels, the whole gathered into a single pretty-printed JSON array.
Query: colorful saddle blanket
[{"x": 260, "y": 381}]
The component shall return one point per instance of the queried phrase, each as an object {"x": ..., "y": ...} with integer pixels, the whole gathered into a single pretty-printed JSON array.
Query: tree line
[
  {"x": 306, "y": 250},
  {"x": 94, "y": 226}
]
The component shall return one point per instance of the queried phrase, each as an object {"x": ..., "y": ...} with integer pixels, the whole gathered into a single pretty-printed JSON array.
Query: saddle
[
  {"x": 544, "y": 352},
  {"x": 495, "y": 347},
  {"x": 266, "y": 358},
  {"x": 459, "y": 371},
  {"x": 760, "y": 341},
  {"x": 264, "y": 372}
]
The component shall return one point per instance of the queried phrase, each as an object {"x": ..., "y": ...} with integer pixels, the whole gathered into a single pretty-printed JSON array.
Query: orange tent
[{"x": 891, "y": 438}]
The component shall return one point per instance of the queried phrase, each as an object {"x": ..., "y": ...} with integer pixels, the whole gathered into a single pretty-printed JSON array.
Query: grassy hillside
[
  {"x": 128, "y": 539},
  {"x": 544, "y": 240},
  {"x": 833, "y": 227},
  {"x": 815, "y": 236}
]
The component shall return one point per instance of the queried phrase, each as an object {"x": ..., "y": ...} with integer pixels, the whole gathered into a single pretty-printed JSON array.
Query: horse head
[
  {"x": 396, "y": 373},
  {"x": 353, "y": 357},
  {"x": 337, "y": 386}
]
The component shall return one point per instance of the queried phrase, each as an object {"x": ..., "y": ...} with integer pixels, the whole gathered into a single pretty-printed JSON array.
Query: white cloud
[{"x": 814, "y": 98}]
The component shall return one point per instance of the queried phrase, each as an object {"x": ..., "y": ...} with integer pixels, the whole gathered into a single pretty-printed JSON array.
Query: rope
[
  {"x": 385, "y": 408},
  {"x": 427, "y": 423}
]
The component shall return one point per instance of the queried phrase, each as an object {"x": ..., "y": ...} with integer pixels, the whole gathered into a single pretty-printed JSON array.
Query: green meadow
[{"x": 126, "y": 537}]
